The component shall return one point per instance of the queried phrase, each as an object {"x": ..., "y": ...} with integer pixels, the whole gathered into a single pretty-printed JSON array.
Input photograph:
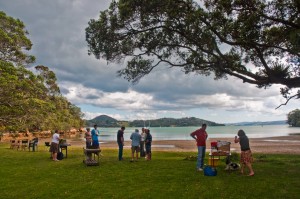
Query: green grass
[{"x": 26, "y": 174}]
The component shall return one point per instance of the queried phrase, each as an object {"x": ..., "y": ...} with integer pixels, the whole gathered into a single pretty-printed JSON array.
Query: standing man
[
  {"x": 120, "y": 140},
  {"x": 54, "y": 145},
  {"x": 135, "y": 144},
  {"x": 200, "y": 136},
  {"x": 148, "y": 141},
  {"x": 142, "y": 143},
  {"x": 95, "y": 141}
]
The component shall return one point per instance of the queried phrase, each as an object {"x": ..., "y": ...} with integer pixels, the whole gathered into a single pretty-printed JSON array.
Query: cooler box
[
  {"x": 213, "y": 147},
  {"x": 213, "y": 162},
  {"x": 214, "y": 144}
]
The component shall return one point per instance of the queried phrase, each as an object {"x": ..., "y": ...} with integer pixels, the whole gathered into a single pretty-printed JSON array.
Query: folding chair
[
  {"x": 33, "y": 144},
  {"x": 24, "y": 144}
]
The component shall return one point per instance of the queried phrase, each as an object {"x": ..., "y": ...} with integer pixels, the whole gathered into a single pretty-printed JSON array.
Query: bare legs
[
  {"x": 251, "y": 172},
  {"x": 250, "y": 169},
  {"x": 54, "y": 156}
]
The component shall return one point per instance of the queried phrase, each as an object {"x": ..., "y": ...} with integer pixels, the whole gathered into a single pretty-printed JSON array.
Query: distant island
[
  {"x": 107, "y": 121},
  {"x": 279, "y": 122}
]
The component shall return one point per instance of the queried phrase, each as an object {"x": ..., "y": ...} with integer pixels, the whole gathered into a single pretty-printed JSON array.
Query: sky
[{"x": 57, "y": 30}]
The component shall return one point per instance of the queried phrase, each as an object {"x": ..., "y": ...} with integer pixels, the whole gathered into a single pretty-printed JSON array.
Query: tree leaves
[
  {"x": 27, "y": 100},
  {"x": 219, "y": 37},
  {"x": 13, "y": 41}
]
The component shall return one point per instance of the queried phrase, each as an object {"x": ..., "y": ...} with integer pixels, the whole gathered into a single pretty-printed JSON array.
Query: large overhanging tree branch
[{"x": 256, "y": 41}]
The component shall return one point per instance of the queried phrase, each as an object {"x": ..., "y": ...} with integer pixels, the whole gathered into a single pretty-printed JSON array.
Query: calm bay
[{"x": 183, "y": 133}]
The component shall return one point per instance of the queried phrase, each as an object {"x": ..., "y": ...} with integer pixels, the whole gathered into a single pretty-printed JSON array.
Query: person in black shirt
[
  {"x": 120, "y": 140},
  {"x": 246, "y": 154},
  {"x": 148, "y": 141}
]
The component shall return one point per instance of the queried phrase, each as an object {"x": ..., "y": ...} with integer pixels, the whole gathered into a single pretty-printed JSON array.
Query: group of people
[
  {"x": 200, "y": 135},
  {"x": 91, "y": 137},
  {"x": 139, "y": 143}
]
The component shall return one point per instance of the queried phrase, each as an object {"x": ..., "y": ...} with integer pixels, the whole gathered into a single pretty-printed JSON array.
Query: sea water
[{"x": 183, "y": 133}]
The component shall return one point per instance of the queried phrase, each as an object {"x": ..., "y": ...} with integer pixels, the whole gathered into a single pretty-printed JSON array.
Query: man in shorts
[
  {"x": 54, "y": 145},
  {"x": 135, "y": 144}
]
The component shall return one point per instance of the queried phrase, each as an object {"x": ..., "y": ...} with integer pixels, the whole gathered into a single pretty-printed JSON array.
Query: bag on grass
[
  {"x": 60, "y": 156},
  {"x": 210, "y": 171}
]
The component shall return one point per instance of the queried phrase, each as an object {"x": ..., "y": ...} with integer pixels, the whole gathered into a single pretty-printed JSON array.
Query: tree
[
  {"x": 13, "y": 41},
  {"x": 252, "y": 40},
  {"x": 294, "y": 118},
  {"x": 27, "y": 100},
  {"x": 23, "y": 100}
]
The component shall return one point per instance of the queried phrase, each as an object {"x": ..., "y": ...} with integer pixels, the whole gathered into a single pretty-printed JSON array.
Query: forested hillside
[{"x": 106, "y": 121}]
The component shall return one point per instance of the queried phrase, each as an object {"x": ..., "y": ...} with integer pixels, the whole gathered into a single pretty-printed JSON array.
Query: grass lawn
[{"x": 33, "y": 175}]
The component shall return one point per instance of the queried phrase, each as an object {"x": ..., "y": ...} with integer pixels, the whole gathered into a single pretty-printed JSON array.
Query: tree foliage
[
  {"x": 29, "y": 100},
  {"x": 13, "y": 41},
  {"x": 256, "y": 41},
  {"x": 294, "y": 118}
]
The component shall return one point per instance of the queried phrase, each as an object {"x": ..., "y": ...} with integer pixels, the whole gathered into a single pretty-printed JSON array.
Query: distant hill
[
  {"x": 280, "y": 122},
  {"x": 106, "y": 121},
  {"x": 172, "y": 122},
  {"x": 102, "y": 121}
]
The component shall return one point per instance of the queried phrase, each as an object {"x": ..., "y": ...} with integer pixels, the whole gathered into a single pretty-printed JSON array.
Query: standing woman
[
  {"x": 246, "y": 154},
  {"x": 88, "y": 138},
  {"x": 54, "y": 145},
  {"x": 88, "y": 142},
  {"x": 148, "y": 141},
  {"x": 142, "y": 143}
]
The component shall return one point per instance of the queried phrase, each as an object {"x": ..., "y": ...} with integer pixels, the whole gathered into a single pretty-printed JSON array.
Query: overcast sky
[{"x": 57, "y": 31}]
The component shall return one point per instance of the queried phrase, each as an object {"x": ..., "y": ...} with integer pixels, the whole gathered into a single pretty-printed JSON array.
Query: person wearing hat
[{"x": 135, "y": 144}]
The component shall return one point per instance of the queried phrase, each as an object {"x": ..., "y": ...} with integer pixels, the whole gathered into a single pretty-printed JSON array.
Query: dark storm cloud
[{"x": 57, "y": 31}]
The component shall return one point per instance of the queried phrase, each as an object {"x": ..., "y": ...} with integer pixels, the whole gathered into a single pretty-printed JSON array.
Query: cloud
[{"x": 57, "y": 31}]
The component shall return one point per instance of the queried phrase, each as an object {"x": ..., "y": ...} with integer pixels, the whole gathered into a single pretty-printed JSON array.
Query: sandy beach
[{"x": 279, "y": 145}]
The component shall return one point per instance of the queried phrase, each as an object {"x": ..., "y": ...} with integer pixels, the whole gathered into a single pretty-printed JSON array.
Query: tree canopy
[
  {"x": 13, "y": 41},
  {"x": 29, "y": 100},
  {"x": 294, "y": 118},
  {"x": 256, "y": 41}
]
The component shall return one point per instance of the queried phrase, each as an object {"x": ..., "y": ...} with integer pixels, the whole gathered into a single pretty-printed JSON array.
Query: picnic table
[{"x": 64, "y": 146}]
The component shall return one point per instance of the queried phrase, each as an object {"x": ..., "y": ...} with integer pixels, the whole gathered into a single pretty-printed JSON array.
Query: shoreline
[{"x": 267, "y": 145}]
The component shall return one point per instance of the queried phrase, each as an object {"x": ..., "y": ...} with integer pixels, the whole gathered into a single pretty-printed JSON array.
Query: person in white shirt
[
  {"x": 142, "y": 143},
  {"x": 54, "y": 145}
]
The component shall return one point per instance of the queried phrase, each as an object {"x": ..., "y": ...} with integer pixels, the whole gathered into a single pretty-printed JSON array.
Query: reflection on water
[{"x": 183, "y": 133}]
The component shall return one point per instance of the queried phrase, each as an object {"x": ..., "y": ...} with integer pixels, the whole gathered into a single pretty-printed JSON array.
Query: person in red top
[{"x": 200, "y": 136}]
